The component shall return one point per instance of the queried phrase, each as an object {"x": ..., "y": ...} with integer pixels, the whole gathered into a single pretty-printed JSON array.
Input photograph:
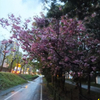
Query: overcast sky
[{"x": 24, "y": 8}]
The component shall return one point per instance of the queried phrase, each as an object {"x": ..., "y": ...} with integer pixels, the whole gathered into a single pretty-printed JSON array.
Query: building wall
[{"x": 98, "y": 79}]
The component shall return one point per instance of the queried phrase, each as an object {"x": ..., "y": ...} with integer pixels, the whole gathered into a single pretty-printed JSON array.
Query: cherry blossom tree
[{"x": 58, "y": 47}]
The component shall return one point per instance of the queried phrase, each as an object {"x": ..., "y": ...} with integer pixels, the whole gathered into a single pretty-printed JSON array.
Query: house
[
  {"x": 98, "y": 77},
  {"x": 67, "y": 75}
]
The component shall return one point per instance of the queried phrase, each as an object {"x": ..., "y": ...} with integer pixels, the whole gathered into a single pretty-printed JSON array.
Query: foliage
[
  {"x": 9, "y": 58},
  {"x": 87, "y": 10},
  {"x": 8, "y": 80},
  {"x": 54, "y": 11},
  {"x": 28, "y": 77},
  {"x": 93, "y": 25},
  {"x": 79, "y": 8},
  {"x": 5, "y": 50}
]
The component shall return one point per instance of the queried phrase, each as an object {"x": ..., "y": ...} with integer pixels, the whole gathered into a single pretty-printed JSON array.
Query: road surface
[
  {"x": 92, "y": 88},
  {"x": 29, "y": 91}
]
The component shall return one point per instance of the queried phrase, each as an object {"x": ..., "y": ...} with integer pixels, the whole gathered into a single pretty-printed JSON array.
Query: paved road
[
  {"x": 30, "y": 91},
  {"x": 92, "y": 88}
]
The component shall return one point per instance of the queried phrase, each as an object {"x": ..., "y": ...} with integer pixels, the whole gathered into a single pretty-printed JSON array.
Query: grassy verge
[
  {"x": 8, "y": 80},
  {"x": 46, "y": 92},
  {"x": 70, "y": 80},
  {"x": 28, "y": 77},
  {"x": 72, "y": 93},
  {"x": 75, "y": 93},
  {"x": 93, "y": 84},
  {"x": 58, "y": 93}
]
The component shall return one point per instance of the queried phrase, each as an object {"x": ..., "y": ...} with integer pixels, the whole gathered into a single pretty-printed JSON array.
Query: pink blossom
[
  {"x": 7, "y": 23},
  {"x": 49, "y": 58},
  {"x": 70, "y": 51},
  {"x": 4, "y": 42},
  {"x": 70, "y": 31},
  {"x": 10, "y": 41},
  {"x": 13, "y": 50},
  {"x": 27, "y": 21},
  {"x": 72, "y": 73},
  {"x": 17, "y": 44},
  {"x": 31, "y": 58},
  {"x": 26, "y": 62},
  {"x": 94, "y": 14},
  {"x": 44, "y": 44},
  {"x": 5, "y": 51},
  {"x": 60, "y": 8},
  {"x": 14, "y": 36},
  {"x": 25, "y": 55},
  {"x": 43, "y": 67},
  {"x": 93, "y": 60},
  {"x": 79, "y": 43},
  {"x": 76, "y": 61},
  {"x": 71, "y": 19},
  {"x": 79, "y": 74},
  {"x": 94, "y": 68},
  {"x": 86, "y": 65},
  {"x": 24, "y": 58},
  {"x": 16, "y": 27},
  {"x": 12, "y": 15},
  {"x": 66, "y": 59}
]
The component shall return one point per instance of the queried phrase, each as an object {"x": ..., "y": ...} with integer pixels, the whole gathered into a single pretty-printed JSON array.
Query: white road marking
[
  {"x": 22, "y": 89},
  {"x": 41, "y": 93},
  {"x": 41, "y": 90},
  {"x": 16, "y": 92},
  {"x": 13, "y": 94}
]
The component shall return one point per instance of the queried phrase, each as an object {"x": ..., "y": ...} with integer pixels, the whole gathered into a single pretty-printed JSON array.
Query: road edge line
[
  {"x": 13, "y": 94},
  {"x": 41, "y": 90}
]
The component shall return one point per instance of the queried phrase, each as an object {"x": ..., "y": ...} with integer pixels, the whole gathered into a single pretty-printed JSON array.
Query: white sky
[{"x": 24, "y": 8}]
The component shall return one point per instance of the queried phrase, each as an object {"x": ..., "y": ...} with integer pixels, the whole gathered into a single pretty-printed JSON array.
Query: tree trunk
[
  {"x": 20, "y": 70},
  {"x": 57, "y": 27},
  {"x": 4, "y": 56},
  {"x": 11, "y": 65},
  {"x": 63, "y": 82},
  {"x": 88, "y": 84},
  {"x": 95, "y": 76},
  {"x": 80, "y": 88},
  {"x": 24, "y": 70},
  {"x": 2, "y": 62},
  {"x": 52, "y": 79},
  {"x": 16, "y": 69}
]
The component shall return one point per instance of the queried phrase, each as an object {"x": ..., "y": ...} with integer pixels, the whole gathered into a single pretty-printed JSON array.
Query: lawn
[
  {"x": 8, "y": 80},
  {"x": 70, "y": 92},
  {"x": 75, "y": 93},
  {"x": 28, "y": 76}
]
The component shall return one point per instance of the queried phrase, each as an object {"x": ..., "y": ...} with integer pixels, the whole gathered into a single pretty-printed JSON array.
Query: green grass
[
  {"x": 75, "y": 93},
  {"x": 96, "y": 85},
  {"x": 28, "y": 77},
  {"x": 8, "y": 80},
  {"x": 46, "y": 91},
  {"x": 70, "y": 80},
  {"x": 72, "y": 93}
]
